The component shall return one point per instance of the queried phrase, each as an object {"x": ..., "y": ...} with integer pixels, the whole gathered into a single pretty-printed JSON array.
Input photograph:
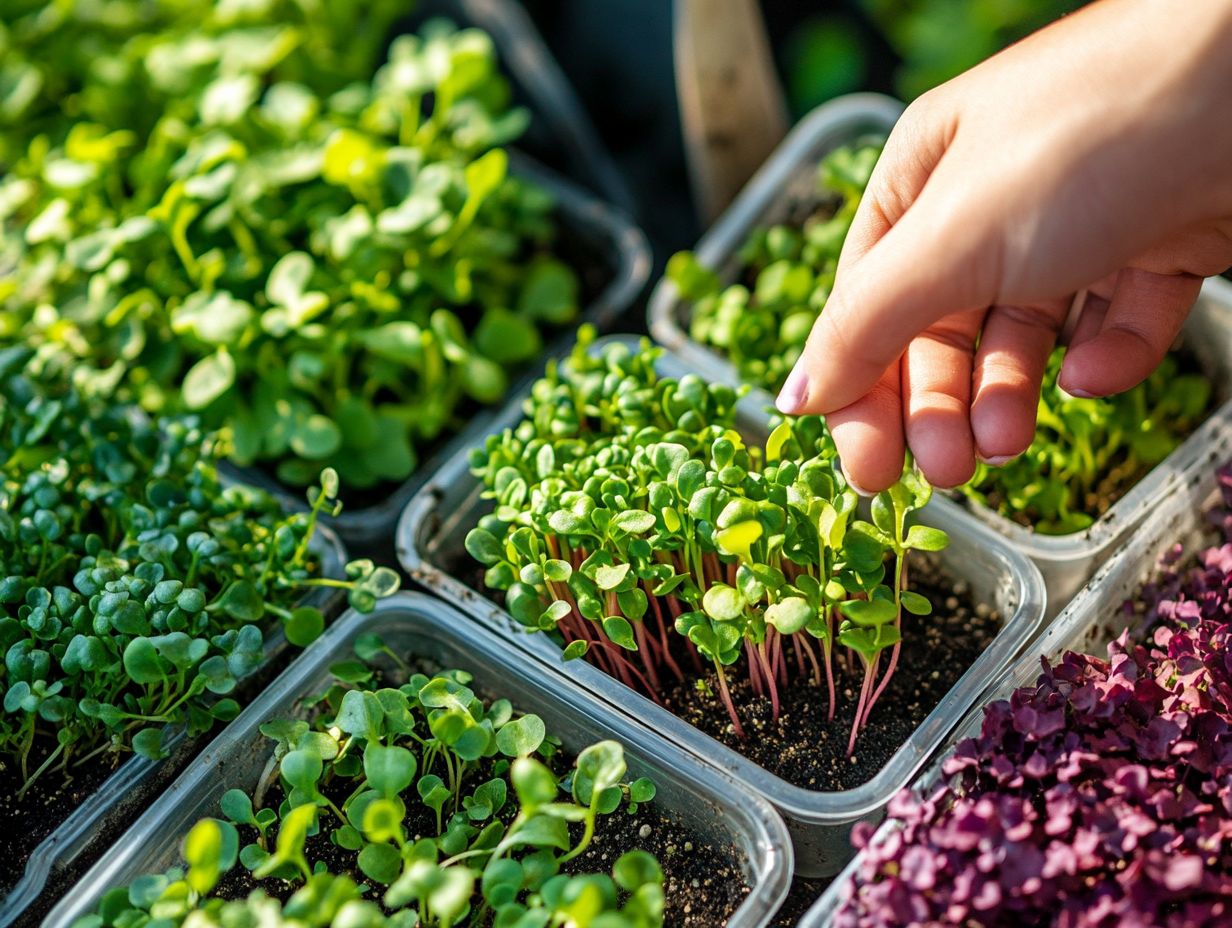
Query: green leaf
[
  {"x": 619, "y": 632},
  {"x": 521, "y": 737},
  {"x": 923, "y": 538},
  {"x": 380, "y": 863},
  {"x": 304, "y": 626},
  {"x": 915, "y": 603},
  {"x": 790, "y": 615},
  {"x": 208, "y": 379},
  {"x": 869, "y": 612},
  {"x": 723, "y": 603},
  {"x": 389, "y": 769}
]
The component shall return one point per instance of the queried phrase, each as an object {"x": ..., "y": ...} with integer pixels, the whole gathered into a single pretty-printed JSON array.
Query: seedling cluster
[
  {"x": 135, "y": 587},
  {"x": 634, "y": 521},
  {"x": 453, "y": 811},
  {"x": 1088, "y": 452},
  {"x": 337, "y": 277},
  {"x": 1098, "y": 795}
]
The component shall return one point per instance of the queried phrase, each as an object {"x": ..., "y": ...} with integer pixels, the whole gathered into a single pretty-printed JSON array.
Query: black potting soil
[
  {"x": 703, "y": 883},
  {"x": 42, "y": 809},
  {"x": 808, "y": 749},
  {"x": 800, "y": 899}
]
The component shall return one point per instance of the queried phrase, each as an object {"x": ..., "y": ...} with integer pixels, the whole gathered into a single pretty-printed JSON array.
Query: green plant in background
[
  {"x": 760, "y": 322},
  {"x": 120, "y": 63},
  {"x": 933, "y": 40},
  {"x": 455, "y": 811},
  {"x": 337, "y": 279},
  {"x": 634, "y": 522},
  {"x": 134, "y": 586},
  {"x": 1088, "y": 452}
]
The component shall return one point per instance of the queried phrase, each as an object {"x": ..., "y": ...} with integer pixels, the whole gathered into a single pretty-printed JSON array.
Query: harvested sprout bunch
[
  {"x": 134, "y": 587},
  {"x": 456, "y": 811},
  {"x": 786, "y": 271},
  {"x": 1101, "y": 796},
  {"x": 1088, "y": 452},
  {"x": 336, "y": 278},
  {"x": 633, "y": 520}
]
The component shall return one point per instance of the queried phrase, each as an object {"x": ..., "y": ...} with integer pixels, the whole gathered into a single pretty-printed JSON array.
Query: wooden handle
[{"x": 731, "y": 102}]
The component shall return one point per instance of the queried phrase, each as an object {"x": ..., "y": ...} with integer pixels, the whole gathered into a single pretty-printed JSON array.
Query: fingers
[
  {"x": 936, "y": 379},
  {"x": 869, "y": 436},
  {"x": 1009, "y": 368},
  {"x": 1142, "y": 320}
]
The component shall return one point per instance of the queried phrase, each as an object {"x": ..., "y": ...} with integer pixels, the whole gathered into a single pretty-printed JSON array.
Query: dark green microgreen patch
[
  {"x": 455, "y": 812},
  {"x": 135, "y": 587},
  {"x": 1088, "y": 453},
  {"x": 633, "y": 521},
  {"x": 338, "y": 279}
]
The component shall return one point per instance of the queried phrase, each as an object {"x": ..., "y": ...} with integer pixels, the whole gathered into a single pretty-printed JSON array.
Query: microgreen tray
[
  {"x": 430, "y": 540},
  {"x": 100, "y": 818},
  {"x": 617, "y": 248},
  {"x": 414, "y": 624},
  {"x": 1091, "y": 620},
  {"x": 787, "y": 180}
]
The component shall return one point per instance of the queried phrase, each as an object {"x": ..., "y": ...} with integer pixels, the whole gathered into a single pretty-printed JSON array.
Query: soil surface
[
  {"x": 808, "y": 749},
  {"x": 44, "y": 807},
  {"x": 800, "y": 899},
  {"x": 703, "y": 883}
]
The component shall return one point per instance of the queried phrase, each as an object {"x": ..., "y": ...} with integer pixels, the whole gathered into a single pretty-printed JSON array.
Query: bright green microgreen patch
[
  {"x": 633, "y": 520},
  {"x": 453, "y": 811},
  {"x": 1088, "y": 452},
  {"x": 135, "y": 587},
  {"x": 336, "y": 278}
]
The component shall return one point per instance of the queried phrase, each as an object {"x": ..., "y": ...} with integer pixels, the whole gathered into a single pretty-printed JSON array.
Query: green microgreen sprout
[
  {"x": 135, "y": 587},
  {"x": 456, "y": 811},
  {"x": 634, "y": 521}
]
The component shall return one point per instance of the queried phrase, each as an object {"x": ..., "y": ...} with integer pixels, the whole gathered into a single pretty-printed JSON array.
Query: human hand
[{"x": 1089, "y": 166}]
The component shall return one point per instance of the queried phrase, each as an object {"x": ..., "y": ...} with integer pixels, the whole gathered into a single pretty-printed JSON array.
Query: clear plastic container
[
  {"x": 430, "y": 545},
  {"x": 415, "y": 624},
  {"x": 1092, "y": 619},
  {"x": 618, "y": 253},
  {"x": 101, "y": 818},
  {"x": 786, "y": 181}
]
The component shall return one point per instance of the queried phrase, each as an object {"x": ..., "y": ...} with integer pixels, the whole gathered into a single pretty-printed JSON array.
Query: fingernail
[
  {"x": 996, "y": 460},
  {"x": 855, "y": 486},
  {"x": 794, "y": 395},
  {"x": 1072, "y": 391}
]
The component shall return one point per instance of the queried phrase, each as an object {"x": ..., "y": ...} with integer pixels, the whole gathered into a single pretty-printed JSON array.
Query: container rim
[
  {"x": 811, "y": 806},
  {"x": 771, "y": 872}
]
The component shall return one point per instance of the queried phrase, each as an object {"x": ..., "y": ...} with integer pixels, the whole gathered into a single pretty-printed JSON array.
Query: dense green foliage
[
  {"x": 121, "y": 63},
  {"x": 760, "y": 322},
  {"x": 337, "y": 278},
  {"x": 634, "y": 520},
  {"x": 455, "y": 811},
  {"x": 135, "y": 587},
  {"x": 1088, "y": 452}
]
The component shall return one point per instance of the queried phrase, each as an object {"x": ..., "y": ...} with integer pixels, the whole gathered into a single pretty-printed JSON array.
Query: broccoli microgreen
[
  {"x": 135, "y": 587},
  {"x": 455, "y": 811},
  {"x": 633, "y": 520}
]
